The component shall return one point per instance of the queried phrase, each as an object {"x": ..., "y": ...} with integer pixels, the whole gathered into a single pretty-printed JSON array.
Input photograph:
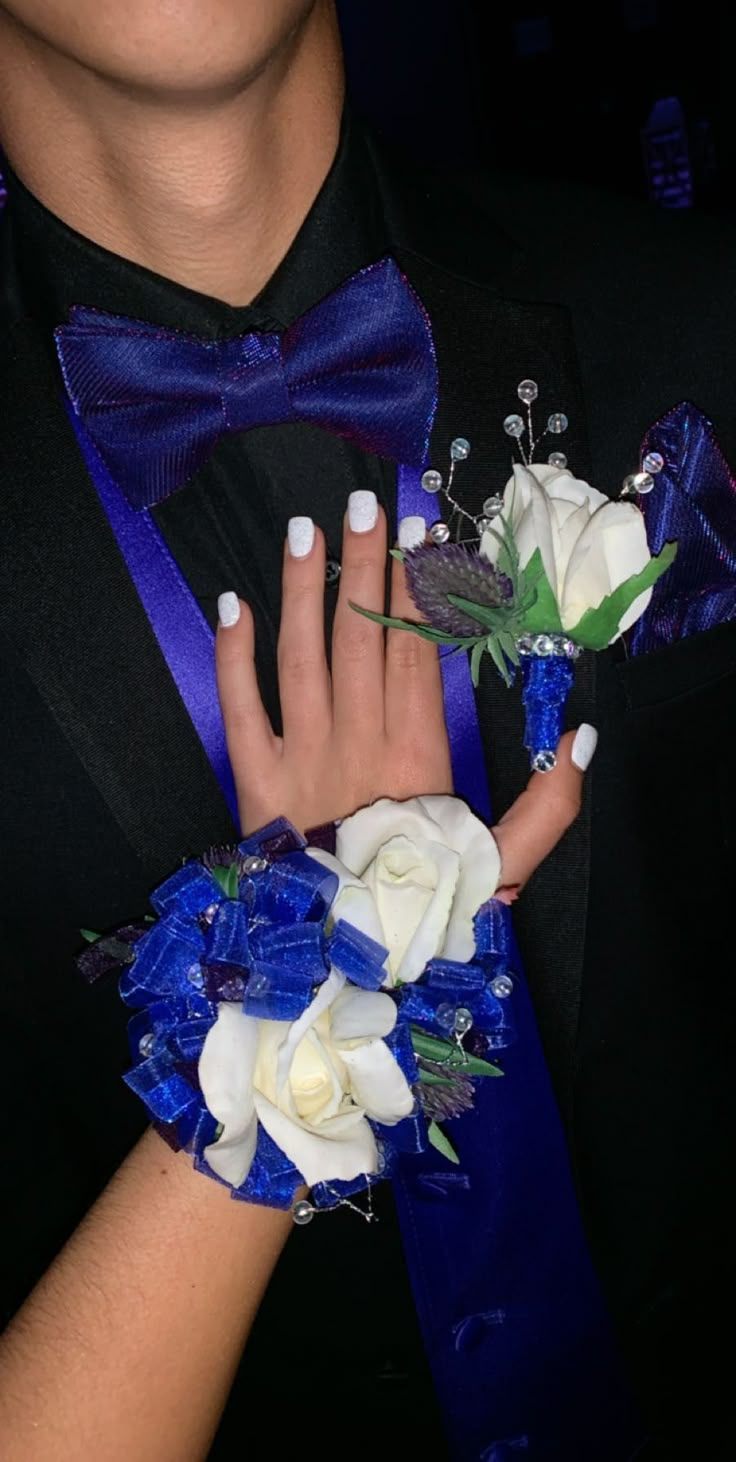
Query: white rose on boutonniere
[
  {"x": 413, "y": 875},
  {"x": 311, "y": 1083},
  {"x": 589, "y": 555}
]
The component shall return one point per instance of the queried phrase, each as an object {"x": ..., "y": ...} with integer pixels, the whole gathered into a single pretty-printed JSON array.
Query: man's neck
[{"x": 207, "y": 192}]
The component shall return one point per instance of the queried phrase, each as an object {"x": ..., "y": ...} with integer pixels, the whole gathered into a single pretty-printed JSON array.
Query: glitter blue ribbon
[{"x": 546, "y": 682}]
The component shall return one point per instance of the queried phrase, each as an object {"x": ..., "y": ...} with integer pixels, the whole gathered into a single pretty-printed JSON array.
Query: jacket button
[{"x": 332, "y": 571}]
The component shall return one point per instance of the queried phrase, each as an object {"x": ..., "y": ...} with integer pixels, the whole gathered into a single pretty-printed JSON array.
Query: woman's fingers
[
  {"x": 357, "y": 643},
  {"x": 251, "y": 744},
  {"x": 414, "y": 703},
  {"x": 304, "y": 681},
  {"x": 544, "y": 811}
]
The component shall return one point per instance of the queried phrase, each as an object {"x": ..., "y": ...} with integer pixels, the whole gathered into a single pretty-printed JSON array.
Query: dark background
[{"x": 556, "y": 88}]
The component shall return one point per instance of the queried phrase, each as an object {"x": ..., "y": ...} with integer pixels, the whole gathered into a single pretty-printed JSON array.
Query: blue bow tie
[{"x": 361, "y": 364}]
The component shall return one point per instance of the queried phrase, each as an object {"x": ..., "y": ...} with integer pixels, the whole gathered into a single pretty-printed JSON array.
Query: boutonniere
[{"x": 549, "y": 569}]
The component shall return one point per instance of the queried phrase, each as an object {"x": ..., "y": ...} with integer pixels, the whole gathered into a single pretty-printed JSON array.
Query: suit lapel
[
  {"x": 69, "y": 607},
  {"x": 489, "y": 337}
]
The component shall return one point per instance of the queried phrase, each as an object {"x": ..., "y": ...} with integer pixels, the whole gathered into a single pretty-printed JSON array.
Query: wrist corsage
[
  {"x": 307, "y": 1013},
  {"x": 547, "y": 570}
]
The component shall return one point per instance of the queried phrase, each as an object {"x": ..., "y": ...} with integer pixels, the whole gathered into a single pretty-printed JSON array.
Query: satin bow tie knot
[{"x": 155, "y": 402}]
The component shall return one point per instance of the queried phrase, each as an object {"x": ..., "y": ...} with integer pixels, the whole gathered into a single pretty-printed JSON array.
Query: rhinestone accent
[
  {"x": 544, "y": 761},
  {"x": 254, "y": 864},
  {"x": 463, "y": 1021},
  {"x": 445, "y": 1014},
  {"x": 431, "y": 480},
  {"x": 546, "y": 645},
  {"x": 439, "y": 533},
  {"x": 637, "y": 483},
  {"x": 557, "y": 459},
  {"x": 502, "y": 986},
  {"x": 303, "y": 1212},
  {"x": 527, "y": 391},
  {"x": 195, "y": 977},
  {"x": 557, "y": 423},
  {"x": 147, "y": 1045},
  {"x": 459, "y": 449},
  {"x": 514, "y": 425},
  {"x": 493, "y": 506},
  {"x": 653, "y": 462}
]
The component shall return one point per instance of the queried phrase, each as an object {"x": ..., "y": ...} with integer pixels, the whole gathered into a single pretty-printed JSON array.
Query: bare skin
[{"x": 193, "y": 139}]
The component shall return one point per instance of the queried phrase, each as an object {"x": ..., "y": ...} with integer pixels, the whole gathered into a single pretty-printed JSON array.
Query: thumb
[{"x": 544, "y": 811}]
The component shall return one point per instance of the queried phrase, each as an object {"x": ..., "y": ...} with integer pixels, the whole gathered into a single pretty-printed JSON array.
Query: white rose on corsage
[
  {"x": 413, "y": 875},
  {"x": 596, "y": 567},
  {"x": 311, "y": 1083}
]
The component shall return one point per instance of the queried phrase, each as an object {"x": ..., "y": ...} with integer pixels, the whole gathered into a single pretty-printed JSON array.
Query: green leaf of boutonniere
[
  {"x": 598, "y": 626},
  {"x": 441, "y": 1142},
  {"x": 90, "y": 936},
  {"x": 476, "y": 656},
  {"x": 227, "y": 879},
  {"x": 496, "y": 653},
  {"x": 425, "y": 631},
  {"x": 543, "y": 616}
]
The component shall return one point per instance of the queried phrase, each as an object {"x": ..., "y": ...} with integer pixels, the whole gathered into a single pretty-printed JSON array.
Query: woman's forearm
[{"x": 128, "y": 1345}]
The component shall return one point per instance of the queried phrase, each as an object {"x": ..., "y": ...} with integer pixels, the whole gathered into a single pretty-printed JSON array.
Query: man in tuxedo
[{"x": 188, "y": 167}]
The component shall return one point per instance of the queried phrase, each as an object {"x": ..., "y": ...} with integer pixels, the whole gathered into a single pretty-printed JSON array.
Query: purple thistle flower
[
  {"x": 433, "y": 573},
  {"x": 440, "y": 1103}
]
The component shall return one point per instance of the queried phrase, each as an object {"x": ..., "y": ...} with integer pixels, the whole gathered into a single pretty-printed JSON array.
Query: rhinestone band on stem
[{"x": 544, "y": 645}]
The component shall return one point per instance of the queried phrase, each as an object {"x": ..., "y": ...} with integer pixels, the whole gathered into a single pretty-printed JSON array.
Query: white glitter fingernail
[
  {"x": 412, "y": 532},
  {"x": 362, "y": 511},
  {"x": 583, "y": 747},
  {"x": 228, "y": 609},
  {"x": 300, "y": 536}
]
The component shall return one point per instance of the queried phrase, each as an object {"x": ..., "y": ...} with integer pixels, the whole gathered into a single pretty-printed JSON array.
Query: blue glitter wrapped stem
[{"x": 546, "y": 684}]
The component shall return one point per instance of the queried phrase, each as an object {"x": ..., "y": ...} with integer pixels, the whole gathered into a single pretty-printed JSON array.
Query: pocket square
[{"x": 694, "y": 502}]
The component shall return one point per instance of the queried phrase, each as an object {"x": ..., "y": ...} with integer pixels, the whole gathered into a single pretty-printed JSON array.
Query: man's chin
[{"x": 174, "y": 48}]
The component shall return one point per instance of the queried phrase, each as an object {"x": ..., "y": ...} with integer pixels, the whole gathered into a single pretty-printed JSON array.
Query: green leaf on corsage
[
  {"x": 599, "y": 626},
  {"x": 442, "y": 1143},
  {"x": 227, "y": 877}
]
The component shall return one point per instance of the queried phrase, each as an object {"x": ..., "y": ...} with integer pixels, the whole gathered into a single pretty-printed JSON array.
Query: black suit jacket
[{"x": 618, "y": 312}]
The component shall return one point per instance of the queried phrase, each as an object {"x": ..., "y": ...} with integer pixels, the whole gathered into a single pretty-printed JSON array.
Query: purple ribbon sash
[{"x": 518, "y": 1340}]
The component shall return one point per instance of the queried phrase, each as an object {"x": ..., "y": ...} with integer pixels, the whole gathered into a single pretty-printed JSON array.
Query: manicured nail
[
  {"x": 362, "y": 511},
  {"x": 412, "y": 532},
  {"x": 300, "y": 536},
  {"x": 583, "y": 747},
  {"x": 228, "y": 609}
]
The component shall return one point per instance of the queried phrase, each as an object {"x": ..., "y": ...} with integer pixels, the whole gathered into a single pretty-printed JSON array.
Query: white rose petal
[
  {"x": 362, "y": 1014},
  {"x": 413, "y": 882},
  {"x": 226, "y": 1068},
  {"x": 611, "y": 548},
  {"x": 378, "y": 1084},
  {"x": 589, "y": 545},
  {"x": 339, "y": 1150}
]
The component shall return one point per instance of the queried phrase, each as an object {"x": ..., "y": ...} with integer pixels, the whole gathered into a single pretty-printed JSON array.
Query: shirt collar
[{"x": 48, "y": 267}]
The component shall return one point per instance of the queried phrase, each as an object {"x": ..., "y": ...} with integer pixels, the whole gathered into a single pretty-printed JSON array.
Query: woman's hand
[{"x": 375, "y": 726}]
